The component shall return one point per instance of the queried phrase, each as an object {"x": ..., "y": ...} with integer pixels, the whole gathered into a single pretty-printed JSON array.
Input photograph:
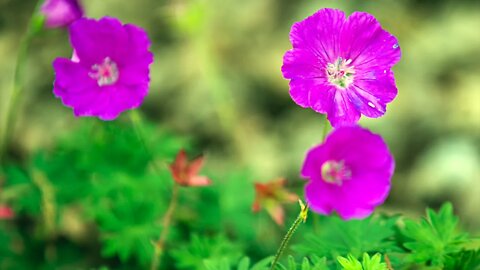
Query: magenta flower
[
  {"x": 109, "y": 71},
  {"x": 61, "y": 13},
  {"x": 341, "y": 66},
  {"x": 349, "y": 173}
]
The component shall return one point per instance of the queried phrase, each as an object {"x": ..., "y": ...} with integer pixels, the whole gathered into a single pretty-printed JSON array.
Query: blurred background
[{"x": 216, "y": 80}]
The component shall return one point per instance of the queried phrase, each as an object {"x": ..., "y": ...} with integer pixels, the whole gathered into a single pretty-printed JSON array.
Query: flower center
[
  {"x": 105, "y": 73},
  {"x": 340, "y": 73},
  {"x": 335, "y": 172}
]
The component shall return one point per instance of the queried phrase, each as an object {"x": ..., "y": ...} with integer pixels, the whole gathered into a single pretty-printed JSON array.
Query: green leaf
[
  {"x": 244, "y": 264},
  {"x": 220, "y": 264},
  {"x": 435, "y": 238},
  {"x": 373, "y": 263},
  {"x": 291, "y": 262},
  {"x": 337, "y": 237},
  {"x": 263, "y": 264},
  {"x": 305, "y": 264},
  {"x": 368, "y": 263},
  {"x": 349, "y": 263},
  {"x": 465, "y": 260},
  {"x": 314, "y": 263},
  {"x": 213, "y": 250}
]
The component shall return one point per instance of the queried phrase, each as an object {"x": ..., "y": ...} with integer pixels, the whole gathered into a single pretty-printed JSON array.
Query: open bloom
[
  {"x": 109, "y": 71},
  {"x": 185, "y": 173},
  {"x": 271, "y": 196},
  {"x": 59, "y": 13},
  {"x": 341, "y": 66},
  {"x": 349, "y": 173}
]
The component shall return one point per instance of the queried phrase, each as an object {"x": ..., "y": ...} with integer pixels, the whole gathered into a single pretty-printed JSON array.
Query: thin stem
[
  {"x": 326, "y": 127},
  {"x": 137, "y": 125},
  {"x": 387, "y": 261},
  {"x": 34, "y": 26},
  {"x": 302, "y": 216},
  {"x": 167, "y": 220}
]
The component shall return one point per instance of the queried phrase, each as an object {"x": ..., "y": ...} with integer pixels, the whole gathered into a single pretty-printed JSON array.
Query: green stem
[
  {"x": 302, "y": 216},
  {"x": 326, "y": 127},
  {"x": 34, "y": 26},
  {"x": 137, "y": 125},
  {"x": 167, "y": 220}
]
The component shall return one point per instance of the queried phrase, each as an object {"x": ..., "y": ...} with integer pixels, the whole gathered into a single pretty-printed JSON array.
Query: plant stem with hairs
[
  {"x": 167, "y": 220},
  {"x": 302, "y": 216}
]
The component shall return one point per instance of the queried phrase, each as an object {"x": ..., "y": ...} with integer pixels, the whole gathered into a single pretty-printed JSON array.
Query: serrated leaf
[
  {"x": 200, "y": 248},
  {"x": 464, "y": 260},
  {"x": 349, "y": 263},
  {"x": 305, "y": 264},
  {"x": 435, "y": 238},
  {"x": 367, "y": 263},
  {"x": 373, "y": 263},
  {"x": 336, "y": 237}
]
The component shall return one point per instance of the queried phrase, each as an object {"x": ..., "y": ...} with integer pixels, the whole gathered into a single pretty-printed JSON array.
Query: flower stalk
[
  {"x": 136, "y": 120},
  {"x": 167, "y": 220},
  {"x": 34, "y": 26},
  {"x": 302, "y": 217}
]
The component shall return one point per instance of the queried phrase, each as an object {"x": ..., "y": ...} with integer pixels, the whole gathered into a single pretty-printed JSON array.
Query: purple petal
[
  {"x": 351, "y": 211},
  {"x": 321, "y": 197},
  {"x": 313, "y": 93},
  {"x": 360, "y": 149},
  {"x": 369, "y": 189},
  {"x": 93, "y": 41},
  {"x": 365, "y": 42},
  {"x": 138, "y": 45},
  {"x": 61, "y": 13},
  {"x": 302, "y": 64},
  {"x": 321, "y": 98},
  {"x": 313, "y": 162},
  {"x": 319, "y": 33},
  {"x": 108, "y": 102},
  {"x": 125, "y": 97},
  {"x": 361, "y": 194},
  {"x": 371, "y": 96},
  {"x": 135, "y": 73},
  {"x": 343, "y": 112},
  {"x": 68, "y": 74}
]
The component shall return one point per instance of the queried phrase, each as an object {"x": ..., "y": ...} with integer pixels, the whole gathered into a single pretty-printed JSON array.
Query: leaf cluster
[{"x": 98, "y": 196}]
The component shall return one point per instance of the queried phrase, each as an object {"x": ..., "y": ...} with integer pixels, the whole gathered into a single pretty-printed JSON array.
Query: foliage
[
  {"x": 94, "y": 176},
  {"x": 435, "y": 239},
  {"x": 94, "y": 182},
  {"x": 367, "y": 263},
  {"x": 337, "y": 237},
  {"x": 201, "y": 251},
  {"x": 243, "y": 264}
]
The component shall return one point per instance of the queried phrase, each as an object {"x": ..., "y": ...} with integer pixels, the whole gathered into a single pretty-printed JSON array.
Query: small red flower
[
  {"x": 271, "y": 196},
  {"x": 6, "y": 212},
  {"x": 185, "y": 173}
]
